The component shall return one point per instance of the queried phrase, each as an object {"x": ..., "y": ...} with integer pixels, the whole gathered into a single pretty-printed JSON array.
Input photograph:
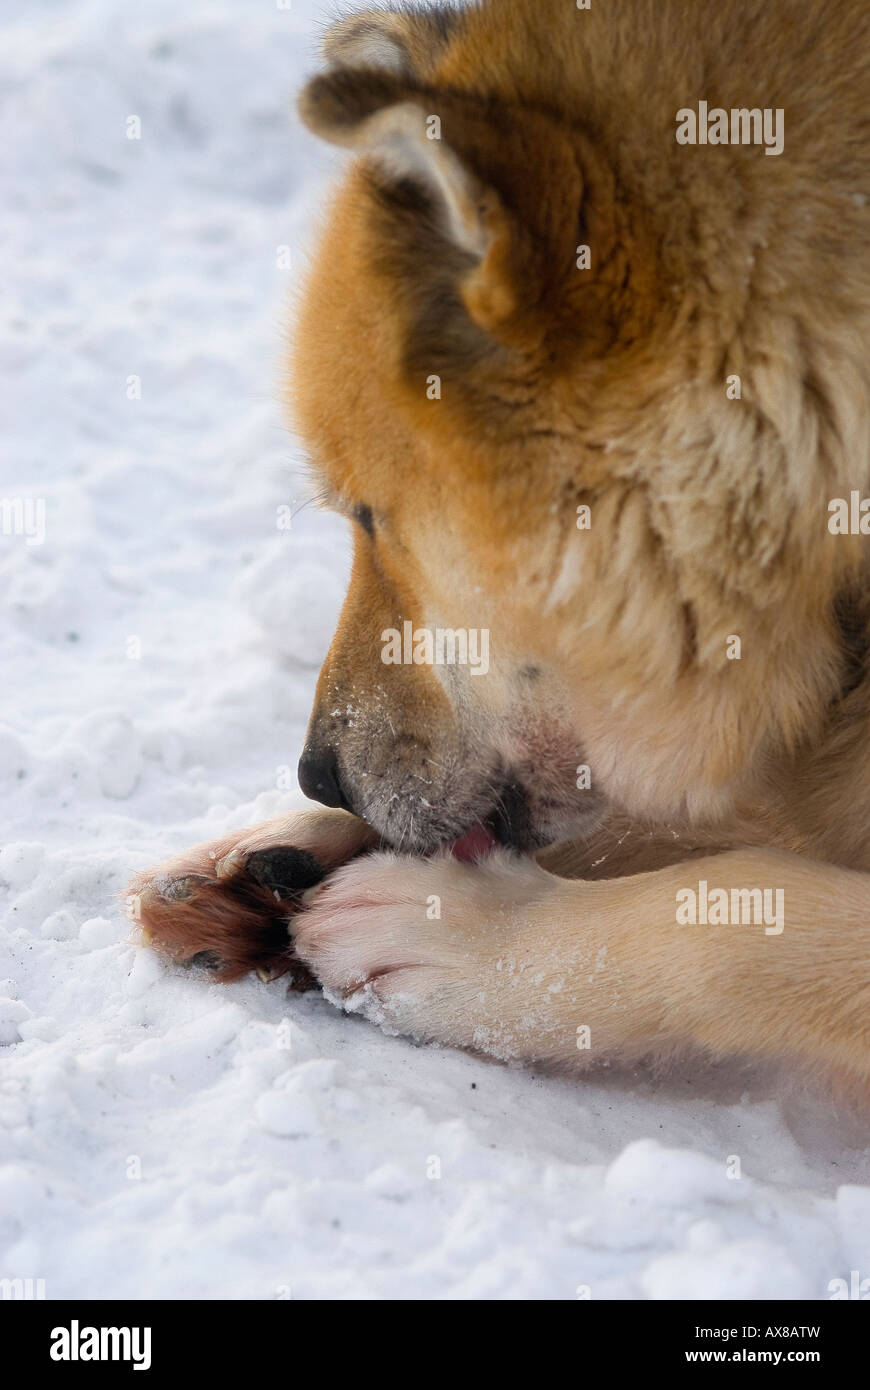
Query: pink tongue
[{"x": 474, "y": 844}]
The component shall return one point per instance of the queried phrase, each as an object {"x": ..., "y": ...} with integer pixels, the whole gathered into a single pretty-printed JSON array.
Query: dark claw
[
  {"x": 180, "y": 890},
  {"x": 284, "y": 870},
  {"x": 207, "y": 960}
]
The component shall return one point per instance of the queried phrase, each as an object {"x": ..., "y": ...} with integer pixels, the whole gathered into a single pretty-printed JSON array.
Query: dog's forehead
[
  {"x": 345, "y": 350},
  {"x": 375, "y": 434}
]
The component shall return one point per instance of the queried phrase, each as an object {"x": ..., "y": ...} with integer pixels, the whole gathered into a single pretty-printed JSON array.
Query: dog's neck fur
[{"x": 850, "y": 611}]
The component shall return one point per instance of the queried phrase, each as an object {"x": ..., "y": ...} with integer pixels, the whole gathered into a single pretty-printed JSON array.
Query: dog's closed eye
[{"x": 360, "y": 512}]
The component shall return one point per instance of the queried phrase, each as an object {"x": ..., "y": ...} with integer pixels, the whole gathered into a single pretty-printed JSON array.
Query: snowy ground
[{"x": 160, "y": 1136}]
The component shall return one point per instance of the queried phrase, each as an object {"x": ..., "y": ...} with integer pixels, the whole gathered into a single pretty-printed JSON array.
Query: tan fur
[{"x": 559, "y": 387}]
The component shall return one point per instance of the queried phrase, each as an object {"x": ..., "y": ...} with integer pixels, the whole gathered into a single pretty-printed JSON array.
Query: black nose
[{"x": 320, "y": 779}]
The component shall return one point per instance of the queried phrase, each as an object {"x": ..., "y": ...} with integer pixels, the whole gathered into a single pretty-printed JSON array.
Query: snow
[{"x": 160, "y": 1135}]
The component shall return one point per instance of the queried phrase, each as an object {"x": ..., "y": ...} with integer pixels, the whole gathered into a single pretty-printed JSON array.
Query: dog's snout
[{"x": 320, "y": 778}]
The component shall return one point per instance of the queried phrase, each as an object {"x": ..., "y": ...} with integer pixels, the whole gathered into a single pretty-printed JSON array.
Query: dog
[{"x": 590, "y": 379}]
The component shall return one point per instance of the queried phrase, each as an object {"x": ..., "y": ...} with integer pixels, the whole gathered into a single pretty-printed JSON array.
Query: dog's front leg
[{"x": 507, "y": 959}]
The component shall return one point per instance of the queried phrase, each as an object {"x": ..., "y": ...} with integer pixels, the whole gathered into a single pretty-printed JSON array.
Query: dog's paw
[
  {"x": 437, "y": 949},
  {"x": 225, "y": 904}
]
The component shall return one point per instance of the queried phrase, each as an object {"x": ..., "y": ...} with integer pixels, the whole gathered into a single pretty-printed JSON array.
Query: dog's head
[{"x": 561, "y": 521}]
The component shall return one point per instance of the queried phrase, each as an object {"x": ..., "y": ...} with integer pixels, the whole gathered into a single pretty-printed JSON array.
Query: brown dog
[{"x": 585, "y": 358}]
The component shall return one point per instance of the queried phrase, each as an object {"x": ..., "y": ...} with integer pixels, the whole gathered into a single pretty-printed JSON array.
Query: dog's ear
[
  {"x": 402, "y": 42},
  {"x": 367, "y": 113},
  {"x": 479, "y": 177}
]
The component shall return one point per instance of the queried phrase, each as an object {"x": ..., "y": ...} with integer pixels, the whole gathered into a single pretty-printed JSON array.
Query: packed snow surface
[{"x": 161, "y": 1135}]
